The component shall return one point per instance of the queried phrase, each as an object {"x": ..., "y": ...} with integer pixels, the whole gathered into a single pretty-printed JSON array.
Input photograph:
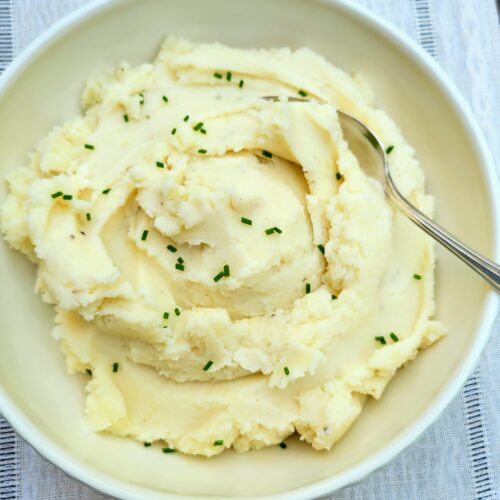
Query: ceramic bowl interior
[{"x": 46, "y": 405}]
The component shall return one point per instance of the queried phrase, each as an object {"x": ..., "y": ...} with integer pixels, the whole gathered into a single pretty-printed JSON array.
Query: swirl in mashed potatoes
[{"x": 221, "y": 266}]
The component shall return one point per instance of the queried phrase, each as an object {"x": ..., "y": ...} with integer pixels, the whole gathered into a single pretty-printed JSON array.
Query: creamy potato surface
[{"x": 222, "y": 268}]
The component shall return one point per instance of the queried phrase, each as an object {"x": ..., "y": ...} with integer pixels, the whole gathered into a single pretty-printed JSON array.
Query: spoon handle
[{"x": 486, "y": 268}]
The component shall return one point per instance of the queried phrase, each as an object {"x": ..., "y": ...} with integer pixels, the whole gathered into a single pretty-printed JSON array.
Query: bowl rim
[{"x": 121, "y": 489}]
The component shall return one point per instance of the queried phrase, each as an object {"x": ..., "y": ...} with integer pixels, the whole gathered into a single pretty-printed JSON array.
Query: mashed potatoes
[{"x": 222, "y": 269}]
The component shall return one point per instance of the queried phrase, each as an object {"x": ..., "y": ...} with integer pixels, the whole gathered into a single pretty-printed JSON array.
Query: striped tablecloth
[{"x": 458, "y": 457}]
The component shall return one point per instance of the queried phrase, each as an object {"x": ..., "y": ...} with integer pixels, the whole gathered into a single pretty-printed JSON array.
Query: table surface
[{"x": 459, "y": 456}]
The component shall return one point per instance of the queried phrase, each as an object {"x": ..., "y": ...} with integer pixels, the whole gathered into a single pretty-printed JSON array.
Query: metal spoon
[{"x": 375, "y": 163}]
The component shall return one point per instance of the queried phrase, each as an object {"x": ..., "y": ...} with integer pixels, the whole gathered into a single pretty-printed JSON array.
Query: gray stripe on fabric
[
  {"x": 425, "y": 28},
  {"x": 476, "y": 437},
  {"x": 9, "y": 471},
  {"x": 6, "y": 38}
]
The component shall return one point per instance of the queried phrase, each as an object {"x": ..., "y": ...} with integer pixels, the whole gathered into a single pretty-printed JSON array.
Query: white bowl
[{"x": 42, "y": 89}]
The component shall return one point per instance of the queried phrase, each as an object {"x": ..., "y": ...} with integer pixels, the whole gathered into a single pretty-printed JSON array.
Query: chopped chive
[
  {"x": 160, "y": 164},
  {"x": 334, "y": 297},
  {"x": 208, "y": 365},
  {"x": 224, "y": 273},
  {"x": 168, "y": 450},
  {"x": 267, "y": 154},
  {"x": 177, "y": 311},
  {"x": 394, "y": 337},
  {"x": 229, "y": 75},
  {"x": 244, "y": 220},
  {"x": 165, "y": 98},
  {"x": 198, "y": 126},
  {"x": 218, "y": 75},
  {"x": 302, "y": 93},
  {"x": 203, "y": 131},
  {"x": 286, "y": 370},
  {"x": 417, "y": 276},
  {"x": 283, "y": 445},
  {"x": 68, "y": 197},
  {"x": 88, "y": 371},
  {"x": 219, "y": 442},
  {"x": 147, "y": 445},
  {"x": 174, "y": 131},
  {"x": 338, "y": 176},
  {"x": 125, "y": 118},
  {"x": 202, "y": 151},
  {"x": 186, "y": 118},
  {"x": 389, "y": 149},
  {"x": 277, "y": 230},
  {"x": 381, "y": 339},
  {"x": 115, "y": 367},
  {"x": 171, "y": 248},
  {"x": 89, "y": 146},
  {"x": 321, "y": 248},
  {"x": 218, "y": 276},
  {"x": 57, "y": 194},
  {"x": 106, "y": 191},
  {"x": 270, "y": 230},
  {"x": 179, "y": 266},
  {"x": 144, "y": 235},
  {"x": 180, "y": 260},
  {"x": 308, "y": 287},
  {"x": 89, "y": 217},
  {"x": 240, "y": 85},
  {"x": 141, "y": 98},
  {"x": 166, "y": 315}
]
